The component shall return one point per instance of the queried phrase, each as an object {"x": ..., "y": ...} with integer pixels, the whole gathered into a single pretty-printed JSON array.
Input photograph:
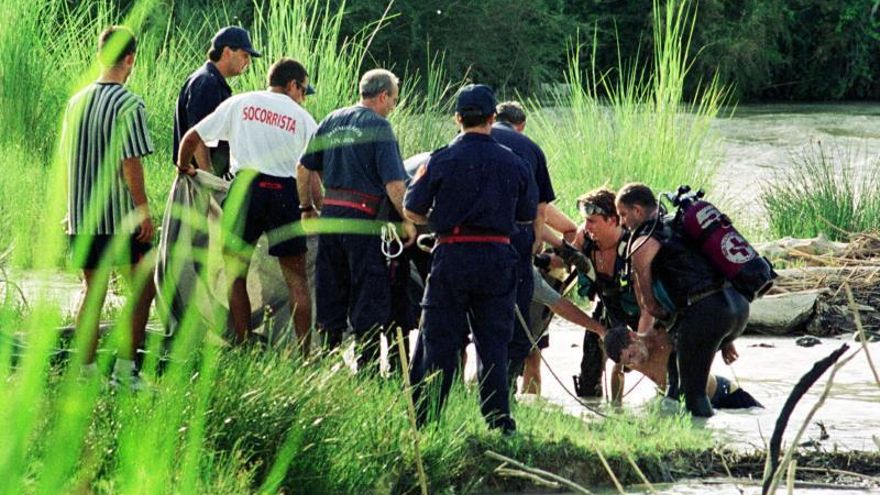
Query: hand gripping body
[{"x": 725, "y": 248}]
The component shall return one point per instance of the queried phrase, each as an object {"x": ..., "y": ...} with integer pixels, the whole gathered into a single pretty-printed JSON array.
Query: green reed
[
  {"x": 638, "y": 128},
  {"x": 823, "y": 192}
]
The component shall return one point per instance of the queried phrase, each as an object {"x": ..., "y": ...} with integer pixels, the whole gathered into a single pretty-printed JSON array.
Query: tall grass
[
  {"x": 54, "y": 57},
  {"x": 826, "y": 190},
  {"x": 332, "y": 432},
  {"x": 637, "y": 129},
  {"x": 221, "y": 421}
]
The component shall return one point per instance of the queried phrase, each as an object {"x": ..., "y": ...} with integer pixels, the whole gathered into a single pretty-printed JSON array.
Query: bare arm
[
  {"x": 188, "y": 147},
  {"x": 538, "y": 225},
  {"x": 396, "y": 189},
  {"x": 203, "y": 158},
  {"x": 317, "y": 189},
  {"x": 650, "y": 308},
  {"x": 415, "y": 217},
  {"x": 551, "y": 237},
  {"x": 569, "y": 311},
  {"x": 304, "y": 189},
  {"x": 133, "y": 175},
  {"x": 557, "y": 220}
]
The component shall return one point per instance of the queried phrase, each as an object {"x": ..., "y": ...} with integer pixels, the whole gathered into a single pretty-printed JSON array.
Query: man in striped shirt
[{"x": 108, "y": 220}]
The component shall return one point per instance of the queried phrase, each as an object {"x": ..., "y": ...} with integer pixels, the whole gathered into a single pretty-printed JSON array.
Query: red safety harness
[
  {"x": 469, "y": 234},
  {"x": 357, "y": 200}
]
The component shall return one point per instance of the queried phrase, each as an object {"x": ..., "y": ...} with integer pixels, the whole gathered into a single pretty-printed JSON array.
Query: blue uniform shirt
[
  {"x": 355, "y": 149},
  {"x": 526, "y": 149},
  {"x": 202, "y": 93},
  {"x": 477, "y": 183}
]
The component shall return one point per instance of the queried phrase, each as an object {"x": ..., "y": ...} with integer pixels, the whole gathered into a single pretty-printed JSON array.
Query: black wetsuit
[
  {"x": 723, "y": 398},
  {"x": 706, "y": 312},
  {"x": 616, "y": 306}
]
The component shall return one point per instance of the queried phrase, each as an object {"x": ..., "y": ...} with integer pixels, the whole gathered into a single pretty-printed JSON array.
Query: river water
[
  {"x": 768, "y": 368},
  {"x": 760, "y": 140}
]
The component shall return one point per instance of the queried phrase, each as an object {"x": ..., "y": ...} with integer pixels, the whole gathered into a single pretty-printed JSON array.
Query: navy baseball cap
[
  {"x": 235, "y": 38},
  {"x": 475, "y": 99}
]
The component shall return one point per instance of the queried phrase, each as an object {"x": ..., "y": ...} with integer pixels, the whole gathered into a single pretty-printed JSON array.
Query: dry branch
[
  {"x": 539, "y": 472},
  {"x": 801, "y": 388}
]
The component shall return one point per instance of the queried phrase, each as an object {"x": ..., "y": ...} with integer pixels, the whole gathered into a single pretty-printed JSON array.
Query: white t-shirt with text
[{"x": 266, "y": 131}]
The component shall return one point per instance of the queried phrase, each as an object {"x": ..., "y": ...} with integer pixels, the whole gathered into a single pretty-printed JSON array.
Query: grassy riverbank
[
  {"x": 222, "y": 421},
  {"x": 232, "y": 422}
]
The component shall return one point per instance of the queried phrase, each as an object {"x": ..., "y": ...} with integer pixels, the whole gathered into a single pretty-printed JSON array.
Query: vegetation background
[
  {"x": 798, "y": 50},
  {"x": 637, "y": 105}
]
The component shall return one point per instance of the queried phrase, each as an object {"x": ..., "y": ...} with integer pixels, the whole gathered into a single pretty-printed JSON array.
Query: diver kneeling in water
[{"x": 678, "y": 289}]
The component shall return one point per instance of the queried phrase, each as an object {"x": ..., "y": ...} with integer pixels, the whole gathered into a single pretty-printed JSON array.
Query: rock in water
[{"x": 807, "y": 341}]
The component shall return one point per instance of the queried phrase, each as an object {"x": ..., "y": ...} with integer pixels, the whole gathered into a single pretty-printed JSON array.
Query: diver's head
[
  {"x": 636, "y": 204},
  {"x": 600, "y": 216}
]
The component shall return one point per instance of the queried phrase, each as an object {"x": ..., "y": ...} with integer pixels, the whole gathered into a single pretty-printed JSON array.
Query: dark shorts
[
  {"x": 88, "y": 251},
  {"x": 260, "y": 203}
]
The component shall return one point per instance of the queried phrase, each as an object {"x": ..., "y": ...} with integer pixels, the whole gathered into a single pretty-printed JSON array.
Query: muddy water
[
  {"x": 759, "y": 140},
  {"x": 62, "y": 290},
  {"x": 768, "y": 368}
]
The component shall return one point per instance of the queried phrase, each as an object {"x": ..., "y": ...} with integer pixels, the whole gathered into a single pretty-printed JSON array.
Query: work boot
[
  {"x": 589, "y": 383},
  {"x": 506, "y": 425}
]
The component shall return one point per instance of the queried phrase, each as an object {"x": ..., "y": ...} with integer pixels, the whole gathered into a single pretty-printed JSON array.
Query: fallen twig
[
  {"x": 641, "y": 475},
  {"x": 794, "y": 443},
  {"x": 801, "y": 388},
  {"x": 872, "y": 479},
  {"x": 539, "y": 472},
  {"x": 610, "y": 472},
  {"x": 534, "y": 478}
]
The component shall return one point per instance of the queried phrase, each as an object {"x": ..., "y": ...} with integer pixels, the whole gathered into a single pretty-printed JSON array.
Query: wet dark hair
[
  {"x": 511, "y": 112},
  {"x": 285, "y": 70},
  {"x": 114, "y": 44},
  {"x": 473, "y": 119},
  {"x": 616, "y": 340},
  {"x": 636, "y": 193},
  {"x": 603, "y": 198}
]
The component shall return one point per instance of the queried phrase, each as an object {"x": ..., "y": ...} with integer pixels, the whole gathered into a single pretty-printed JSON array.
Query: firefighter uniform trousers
[{"x": 472, "y": 288}]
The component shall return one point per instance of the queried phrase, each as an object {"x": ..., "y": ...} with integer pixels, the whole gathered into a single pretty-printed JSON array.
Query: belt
[
  {"x": 699, "y": 295},
  {"x": 356, "y": 200},
  {"x": 462, "y": 234}
]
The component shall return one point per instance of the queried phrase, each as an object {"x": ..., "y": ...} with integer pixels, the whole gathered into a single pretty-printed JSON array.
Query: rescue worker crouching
[
  {"x": 678, "y": 289},
  {"x": 601, "y": 240},
  {"x": 471, "y": 193}
]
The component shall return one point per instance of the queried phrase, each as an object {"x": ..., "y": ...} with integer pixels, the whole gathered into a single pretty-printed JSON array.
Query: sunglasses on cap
[{"x": 585, "y": 208}]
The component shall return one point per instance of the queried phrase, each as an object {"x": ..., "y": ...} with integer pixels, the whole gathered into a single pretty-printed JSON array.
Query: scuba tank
[{"x": 717, "y": 239}]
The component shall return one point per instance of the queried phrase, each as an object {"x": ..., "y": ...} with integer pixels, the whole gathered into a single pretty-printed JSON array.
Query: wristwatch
[{"x": 306, "y": 208}]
